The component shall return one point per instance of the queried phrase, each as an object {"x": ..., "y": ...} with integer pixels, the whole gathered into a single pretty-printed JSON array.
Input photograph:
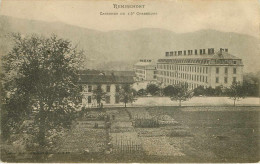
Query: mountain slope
[{"x": 120, "y": 49}]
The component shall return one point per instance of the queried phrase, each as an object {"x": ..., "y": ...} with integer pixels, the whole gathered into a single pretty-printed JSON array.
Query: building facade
[
  {"x": 110, "y": 84},
  {"x": 200, "y": 68},
  {"x": 145, "y": 70}
]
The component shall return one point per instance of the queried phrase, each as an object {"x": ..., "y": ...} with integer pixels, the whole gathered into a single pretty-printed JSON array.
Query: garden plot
[
  {"x": 120, "y": 127},
  {"x": 88, "y": 124},
  {"x": 122, "y": 115},
  {"x": 160, "y": 146},
  {"x": 127, "y": 142},
  {"x": 139, "y": 113},
  {"x": 84, "y": 138},
  {"x": 122, "y": 135}
]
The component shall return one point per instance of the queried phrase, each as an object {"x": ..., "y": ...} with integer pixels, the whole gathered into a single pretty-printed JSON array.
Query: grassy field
[
  {"x": 184, "y": 134},
  {"x": 218, "y": 134}
]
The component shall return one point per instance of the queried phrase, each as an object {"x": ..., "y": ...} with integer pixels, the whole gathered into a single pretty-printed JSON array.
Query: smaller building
[
  {"x": 145, "y": 70},
  {"x": 110, "y": 83}
]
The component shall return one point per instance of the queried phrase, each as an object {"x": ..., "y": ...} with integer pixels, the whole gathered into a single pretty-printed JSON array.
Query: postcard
[{"x": 130, "y": 81}]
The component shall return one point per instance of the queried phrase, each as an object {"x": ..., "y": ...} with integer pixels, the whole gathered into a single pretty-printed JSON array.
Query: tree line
[{"x": 181, "y": 92}]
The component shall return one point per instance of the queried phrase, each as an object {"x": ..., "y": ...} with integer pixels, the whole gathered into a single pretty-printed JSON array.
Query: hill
[{"x": 119, "y": 50}]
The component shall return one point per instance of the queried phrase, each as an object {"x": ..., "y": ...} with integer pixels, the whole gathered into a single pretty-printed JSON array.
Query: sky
[{"x": 180, "y": 16}]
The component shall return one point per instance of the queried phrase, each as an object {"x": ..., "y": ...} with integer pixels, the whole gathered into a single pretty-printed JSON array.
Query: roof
[
  {"x": 90, "y": 72},
  {"x": 145, "y": 64},
  {"x": 223, "y": 55},
  {"x": 107, "y": 72},
  {"x": 217, "y": 55},
  {"x": 106, "y": 79},
  {"x": 120, "y": 73}
]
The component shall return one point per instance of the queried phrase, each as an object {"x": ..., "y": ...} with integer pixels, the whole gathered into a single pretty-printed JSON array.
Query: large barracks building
[{"x": 203, "y": 67}]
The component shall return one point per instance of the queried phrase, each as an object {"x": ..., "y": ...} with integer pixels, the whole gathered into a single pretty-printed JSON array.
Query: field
[
  {"x": 219, "y": 134},
  {"x": 163, "y": 134}
]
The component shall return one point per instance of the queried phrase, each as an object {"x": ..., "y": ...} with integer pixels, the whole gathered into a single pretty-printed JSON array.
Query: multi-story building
[
  {"x": 110, "y": 84},
  {"x": 200, "y": 68},
  {"x": 145, "y": 70}
]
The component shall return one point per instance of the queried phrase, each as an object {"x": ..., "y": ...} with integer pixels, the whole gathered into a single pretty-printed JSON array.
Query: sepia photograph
[{"x": 130, "y": 81}]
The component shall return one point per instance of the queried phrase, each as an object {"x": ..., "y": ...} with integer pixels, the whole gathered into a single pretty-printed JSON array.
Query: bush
[
  {"x": 169, "y": 90},
  {"x": 146, "y": 123},
  {"x": 152, "y": 89},
  {"x": 180, "y": 133},
  {"x": 142, "y": 92}
]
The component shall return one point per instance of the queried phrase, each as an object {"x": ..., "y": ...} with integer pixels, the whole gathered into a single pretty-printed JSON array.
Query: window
[
  {"x": 89, "y": 99},
  {"x": 108, "y": 88},
  {"x": 226, "y": 70},
  {"x": 217, "y": 80},
  {"x": 117, "y": 88},
  {"x": 234, "y": 62},
  {"x": 89, "y": 88},
  {"x": 217, "y": 70},
  {"x": 108, "y": 99},
  {"x": 225, "y": 79},
  {"x": 234, "y": 79},
  {"x": 234, "y": 70}
]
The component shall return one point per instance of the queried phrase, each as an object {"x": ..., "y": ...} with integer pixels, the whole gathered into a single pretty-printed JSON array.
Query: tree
[
  {"x": 182, "y": 93},
  {"x": 236, "y": 92},
  {"x": 127, "y": 94},
  {"x": 153, "y": 89},
  {"x": 209, "y": 91},
  {"x": 40, "y": 77},
  {"x": 218, "y": 91},
  {"x": 169, "y": 90},
  {"x": 99, "y": 95},
  {"x": 251, "y": 83},
  {"x": 142, "y": 92},
  {"x": 199, "y": 91}
]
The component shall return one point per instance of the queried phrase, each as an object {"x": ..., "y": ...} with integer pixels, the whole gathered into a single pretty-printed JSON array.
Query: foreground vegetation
[
  {"x": 177, "y": 134},
  {"x": 39, "y": 91}
]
